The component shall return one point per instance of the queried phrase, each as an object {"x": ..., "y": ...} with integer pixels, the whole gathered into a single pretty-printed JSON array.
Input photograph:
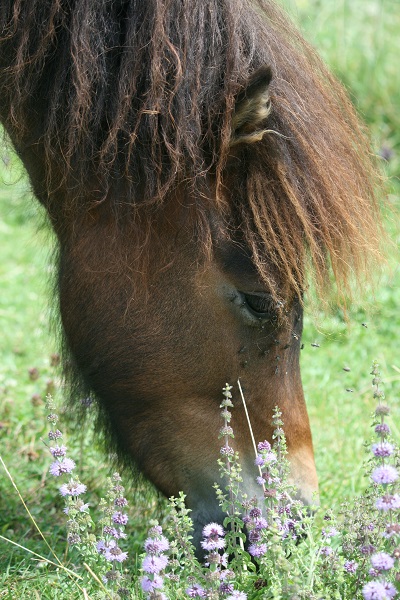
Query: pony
[{"x": 200, "y": 167}]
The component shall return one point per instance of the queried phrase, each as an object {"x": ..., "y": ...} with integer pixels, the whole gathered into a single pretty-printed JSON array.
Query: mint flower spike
[
  {"x": 113, "y": 522},
  {"x": 80, "y": 524},
  {"x": 154, "y": 563},
  {"x": 66, "y": 465},
  {"x": 213, "y": 535},
  {"x": 79, "y": 521},
  {"x": 374, "y": 590},
  {"x": 73, "y": 488},
  {"x": 384, "y": 474},
  {"x": 382, "y": 449},
  {"x": 382, "y": 561},
  {"x": 388, "y": 502}
]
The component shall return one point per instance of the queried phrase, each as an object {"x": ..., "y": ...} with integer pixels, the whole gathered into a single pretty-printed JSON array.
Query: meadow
[{"x": 360, "y": 41}]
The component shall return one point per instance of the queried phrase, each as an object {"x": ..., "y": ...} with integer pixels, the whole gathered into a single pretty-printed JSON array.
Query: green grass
[{"x": 360, "y": 40}]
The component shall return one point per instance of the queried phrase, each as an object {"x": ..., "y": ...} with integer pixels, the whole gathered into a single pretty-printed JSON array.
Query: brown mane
[{"x": 142, "y": 94}]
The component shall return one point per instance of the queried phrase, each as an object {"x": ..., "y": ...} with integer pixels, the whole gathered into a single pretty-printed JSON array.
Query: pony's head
[{"x": 199, "y": 166}]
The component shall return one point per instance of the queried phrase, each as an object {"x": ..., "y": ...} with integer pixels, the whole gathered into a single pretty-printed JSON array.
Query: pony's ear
[{"x": 252, "y": 107}]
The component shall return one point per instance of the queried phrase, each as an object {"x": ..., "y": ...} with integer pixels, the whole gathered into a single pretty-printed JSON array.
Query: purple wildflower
[
  {"x": 264, "y": 446},
  {"x": 389, "y": 589},
  {"x": 226, "y": 574},
  {"x": 332, "y": 532},
  {"x": 156, "y": 545},
  {"x": 111, "y": 575},
  {"x": 388, "y": 502},
  {"x": 350, "y": 566},
  {"x": 373, "y": 572},
  {"x": 254, "y": 535},
  {"x": 367, "y": 549},
  {"x": 154, "y": 564},
  {"x": 226, "y": 588},
  {"x": 155, "y": 530},
  {"x": 58, "y": 451},
  {"x": 114, "y": 553},
  {"x": 285, "y": 509},
  {"x": 289, "y": 527},
  {"x": 227, "y": 450},
  {"x": 374, "y": 591},
  {"x": 259, "y": 461},
  {"x": 260, "y": 523},
  {"x": 73, "y": 488},
  {"x": 55, "y": 435},
  {"x": 260, "y": 480},
  {"x": 120, "y": 518},
  {"x": 211, "y": 544},
  {"x": 237, "y": 596},
  {"x": 258, "y": 550},
  {"x": 326, "y": 550},
  {"x": 213, "y": 540},
  {"x": 213, "y": 530},
  {"x": 215, "y": 558},
  {"x": 58, "y": 468},
  {"x": 382, "y": 561},
  {"x": 196, "y": 591},
  {"x": 384, "y": 474},
  {"x": 73, "y": 538},
  {"x": 102, "y": 546},
  {"x": 120, "y": 502},
  {"x": 255, "y": 512},
  {"x": 270, "y": 457},
  {"x": 382, "y": 449},
  {"x": 149, "y": 585},
  {"x": 114, "y": 532},
  {"x": 383, "y": 429},
  {"x": 392, "y": 529}
]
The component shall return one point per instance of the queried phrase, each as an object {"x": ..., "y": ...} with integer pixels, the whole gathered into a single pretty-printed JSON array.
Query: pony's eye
[{"x": 261, "y": 305}]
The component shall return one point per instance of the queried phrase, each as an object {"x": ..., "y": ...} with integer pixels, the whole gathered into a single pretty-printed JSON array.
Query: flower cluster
[
  {"x": 154, "y": 563},
  {"x": 226, "y": 430},
  {"x": 196, "y": 591},
  {"x": 231, "y": 497},
  {"x": 219, "y": 580},
  {"x": 79, "y": 521},
  {"x": 384, "y": 475},
  {"x": 213, "y": 541},
  {"x": 78, "y": 517},
  {"x": 279, "y": 506},
  {"x": 359, "y": 559},
  {"x": 113, "y": 522},
  {"x": 255, "y": 524}
]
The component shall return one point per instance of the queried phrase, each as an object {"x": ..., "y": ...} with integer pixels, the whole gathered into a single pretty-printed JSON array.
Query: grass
[{"x": 360, "y": 41}]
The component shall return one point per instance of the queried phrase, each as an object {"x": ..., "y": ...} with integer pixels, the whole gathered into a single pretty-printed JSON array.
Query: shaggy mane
[{"x": 141, "y": 93}]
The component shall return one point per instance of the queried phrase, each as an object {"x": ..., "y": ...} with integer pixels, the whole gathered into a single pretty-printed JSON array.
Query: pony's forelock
[{"x": 142, "y": 95}]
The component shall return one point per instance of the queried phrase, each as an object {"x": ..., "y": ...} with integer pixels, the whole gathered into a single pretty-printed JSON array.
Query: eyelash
[{"x": 262, "y": 306}]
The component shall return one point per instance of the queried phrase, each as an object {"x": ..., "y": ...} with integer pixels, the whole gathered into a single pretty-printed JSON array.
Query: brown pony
[{"x": 198, "y": 164}]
